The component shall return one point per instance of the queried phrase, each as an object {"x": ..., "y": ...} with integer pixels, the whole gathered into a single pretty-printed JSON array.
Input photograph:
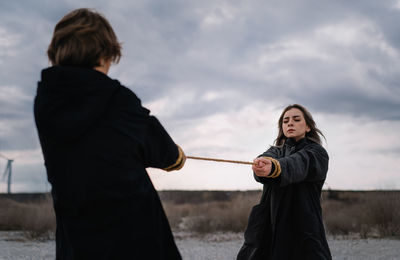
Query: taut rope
[{"x": 217, "y": 160}]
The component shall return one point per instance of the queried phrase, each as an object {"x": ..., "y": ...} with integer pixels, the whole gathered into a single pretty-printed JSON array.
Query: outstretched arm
[
  {"x": 153, "y": 145},
  {"x": 308, "y": 164},
  {"x": 266, "y": 168}
]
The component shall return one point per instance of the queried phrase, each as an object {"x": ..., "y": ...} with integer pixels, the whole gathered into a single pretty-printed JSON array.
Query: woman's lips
[{"x": 290, "y": 130}]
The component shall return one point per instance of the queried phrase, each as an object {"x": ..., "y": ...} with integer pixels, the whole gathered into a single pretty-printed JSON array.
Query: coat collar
[{"x": 291, "y": 142}]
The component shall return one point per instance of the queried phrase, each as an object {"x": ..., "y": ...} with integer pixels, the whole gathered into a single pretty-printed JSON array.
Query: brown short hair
[{"x": 81, "y": 38}]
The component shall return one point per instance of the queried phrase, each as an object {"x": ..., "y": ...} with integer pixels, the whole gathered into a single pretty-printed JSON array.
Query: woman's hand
[{"x": 262, "y": 167}]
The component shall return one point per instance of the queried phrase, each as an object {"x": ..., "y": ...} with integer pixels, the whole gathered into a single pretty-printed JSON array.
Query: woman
[
  {"x": 287, "y": 224},
  {"x": 97, "y": 141}
]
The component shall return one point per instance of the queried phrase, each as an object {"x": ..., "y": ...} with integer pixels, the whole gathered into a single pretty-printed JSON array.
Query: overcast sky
[{"x": 217, "y": 74}]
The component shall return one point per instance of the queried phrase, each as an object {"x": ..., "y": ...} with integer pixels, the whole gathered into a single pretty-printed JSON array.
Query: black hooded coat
[
  {"x": 97, "y": 140},
  {"x": 287, "y": 224}
]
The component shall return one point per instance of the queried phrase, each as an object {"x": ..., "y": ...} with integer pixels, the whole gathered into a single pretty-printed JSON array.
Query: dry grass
[
  {"x": 211, "y": 216},
  {"x": 37, "y": 219},
  {"x": 367, "y": 214}
]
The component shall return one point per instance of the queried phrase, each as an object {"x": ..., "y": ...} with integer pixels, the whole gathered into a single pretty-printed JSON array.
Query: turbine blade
[{"x": 5, "y": 173}]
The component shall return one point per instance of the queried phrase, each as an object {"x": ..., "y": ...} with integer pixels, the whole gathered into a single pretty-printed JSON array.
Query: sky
[{"x": 217, "y": 74}]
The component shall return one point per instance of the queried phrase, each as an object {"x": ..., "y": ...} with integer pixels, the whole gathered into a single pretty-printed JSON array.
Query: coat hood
[{"x": 69, "y": 100}]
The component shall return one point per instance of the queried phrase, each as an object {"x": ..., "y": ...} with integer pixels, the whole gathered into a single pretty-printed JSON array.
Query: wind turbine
[{"x": 8, "y": 172}]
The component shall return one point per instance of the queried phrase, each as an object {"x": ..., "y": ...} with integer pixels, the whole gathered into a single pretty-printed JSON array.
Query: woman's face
[{"x": 294, "y": 125}]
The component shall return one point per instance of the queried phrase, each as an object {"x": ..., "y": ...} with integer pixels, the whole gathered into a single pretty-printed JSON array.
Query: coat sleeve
[
  {"x": 273, "y": 152},
  {"x": 309, "y": 164},
  {"x": 154, "y": 146}
]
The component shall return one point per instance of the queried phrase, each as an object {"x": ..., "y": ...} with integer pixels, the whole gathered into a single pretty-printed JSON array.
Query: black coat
[
  {"x": 97, "y": 140},
  {"x": 287, "y": 224}
]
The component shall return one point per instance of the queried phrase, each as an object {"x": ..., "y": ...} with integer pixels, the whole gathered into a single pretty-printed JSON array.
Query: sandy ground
[{"x": 208, "y": 247}]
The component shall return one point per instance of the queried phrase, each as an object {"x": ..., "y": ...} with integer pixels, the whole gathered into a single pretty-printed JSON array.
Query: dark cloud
[
  {"x": 394, "y": 151},
  {"x": 210, "y": 59},
  {"x": 353, "y": 103},
  {"x": 335, "y": 57},
  {"x": 168, "y": 45}
]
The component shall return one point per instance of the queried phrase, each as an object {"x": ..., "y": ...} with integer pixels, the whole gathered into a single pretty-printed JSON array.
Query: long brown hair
[
  {"x": 314, "y": 133},
  {"x": 81, "y": 38}
]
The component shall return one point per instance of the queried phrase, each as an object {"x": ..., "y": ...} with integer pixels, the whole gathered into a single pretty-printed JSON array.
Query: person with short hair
[
  {"x": 287, "y": 223},
  {"x": 97, "y": 141}
]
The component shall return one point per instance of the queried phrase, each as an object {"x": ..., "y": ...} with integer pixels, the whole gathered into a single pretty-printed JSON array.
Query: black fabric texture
[
  {"x": 292, "y": 216},
  {"x": 97, "y": 141}
]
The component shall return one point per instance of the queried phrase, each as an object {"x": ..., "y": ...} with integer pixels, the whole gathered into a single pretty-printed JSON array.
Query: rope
[{"x": 217, "y": 160}]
